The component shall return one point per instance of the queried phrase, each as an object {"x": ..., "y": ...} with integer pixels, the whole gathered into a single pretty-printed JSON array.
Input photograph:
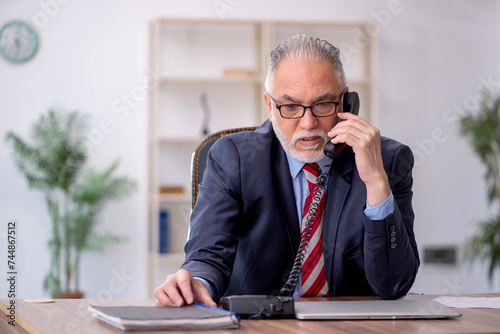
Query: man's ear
[{"x": 268, "y": 102}]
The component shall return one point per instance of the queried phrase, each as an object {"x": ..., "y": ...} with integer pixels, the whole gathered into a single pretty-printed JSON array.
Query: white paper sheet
[{"x": 469, "y": 302}]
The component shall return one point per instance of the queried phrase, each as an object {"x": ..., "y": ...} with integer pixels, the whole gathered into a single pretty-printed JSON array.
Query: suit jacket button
[
  {"x": 393, "y": 233},
  {"x": 393, "y": 245},
  {"x": 392, "y": 228},
  {"x": 393, "y": 240}
]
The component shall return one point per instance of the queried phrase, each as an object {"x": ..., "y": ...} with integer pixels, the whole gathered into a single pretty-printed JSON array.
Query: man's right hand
[{"x": 182, "y": 289}]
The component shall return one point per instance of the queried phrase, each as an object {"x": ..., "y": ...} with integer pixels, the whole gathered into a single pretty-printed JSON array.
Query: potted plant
[
  {"x": 482, "y": 129},
  {"x": 55, "y": 164}
]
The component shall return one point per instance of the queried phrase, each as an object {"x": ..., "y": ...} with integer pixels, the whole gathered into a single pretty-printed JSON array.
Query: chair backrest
[{"x": 199, "y": 158}]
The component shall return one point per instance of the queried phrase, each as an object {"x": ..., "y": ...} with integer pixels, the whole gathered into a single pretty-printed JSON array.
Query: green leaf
[{"x": 484, "y": 245}]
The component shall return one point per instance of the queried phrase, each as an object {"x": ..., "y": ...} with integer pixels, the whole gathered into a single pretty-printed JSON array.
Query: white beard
[{"x": 315, "y": 153}]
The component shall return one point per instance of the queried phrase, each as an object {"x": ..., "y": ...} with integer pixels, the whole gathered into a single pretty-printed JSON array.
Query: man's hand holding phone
[{"x": 365, "y": 142}]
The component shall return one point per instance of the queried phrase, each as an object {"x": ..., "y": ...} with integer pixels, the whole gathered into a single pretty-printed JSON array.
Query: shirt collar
[{"x": 296, "y": 166}]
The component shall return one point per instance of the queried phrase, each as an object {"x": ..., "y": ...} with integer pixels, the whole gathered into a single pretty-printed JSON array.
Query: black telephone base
[{"x": 260, "y": 306}]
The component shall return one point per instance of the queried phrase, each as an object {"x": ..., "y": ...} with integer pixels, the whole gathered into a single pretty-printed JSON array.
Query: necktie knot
[{"x": 311, "y": 171}]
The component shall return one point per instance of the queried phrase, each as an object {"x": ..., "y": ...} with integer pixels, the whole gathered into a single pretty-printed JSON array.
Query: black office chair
[{"x": 199, "y": 158}]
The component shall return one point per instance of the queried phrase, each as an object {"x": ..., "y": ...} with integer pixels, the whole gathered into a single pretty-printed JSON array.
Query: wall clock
[{"x": 18, "y": 41}]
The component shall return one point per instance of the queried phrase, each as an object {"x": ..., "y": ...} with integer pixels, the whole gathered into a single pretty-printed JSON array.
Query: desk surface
[{"x": 71, "y": 316}]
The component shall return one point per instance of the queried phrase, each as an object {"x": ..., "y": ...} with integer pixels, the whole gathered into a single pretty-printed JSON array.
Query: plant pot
[{"x": 69, "y": 295}]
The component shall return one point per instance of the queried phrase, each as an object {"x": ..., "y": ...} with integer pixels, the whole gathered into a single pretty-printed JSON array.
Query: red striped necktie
[{"x": 313, "y": 268}]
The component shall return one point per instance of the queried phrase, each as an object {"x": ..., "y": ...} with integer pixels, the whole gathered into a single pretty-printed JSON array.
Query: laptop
[{"x": 373, "y": 309}]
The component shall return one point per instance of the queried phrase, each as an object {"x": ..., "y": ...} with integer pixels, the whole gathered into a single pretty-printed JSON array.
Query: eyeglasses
[{"x": 322, "y": 109}]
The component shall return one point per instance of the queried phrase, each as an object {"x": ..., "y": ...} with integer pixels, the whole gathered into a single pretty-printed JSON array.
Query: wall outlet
[{"x": 440, "y": 255}]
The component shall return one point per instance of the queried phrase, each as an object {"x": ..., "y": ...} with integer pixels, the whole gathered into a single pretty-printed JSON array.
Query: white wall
[
  {"x": 433, "y": 58},
  {"x": 94, "y": 53}
]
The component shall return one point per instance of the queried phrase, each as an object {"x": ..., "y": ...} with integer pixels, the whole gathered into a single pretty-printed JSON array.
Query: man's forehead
[
  {"x": 306, "y": 72},
  {"x": 301, "y": 81},
  {"x": 321, "y": 96}
]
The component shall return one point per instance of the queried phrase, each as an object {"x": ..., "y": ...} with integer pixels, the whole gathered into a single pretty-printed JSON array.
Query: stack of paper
[{"x": 469, "y": 302}]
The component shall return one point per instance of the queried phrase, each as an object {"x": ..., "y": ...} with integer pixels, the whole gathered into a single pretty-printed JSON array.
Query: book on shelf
[
  {"x": 195, "y": 316},
  {"x": 164, "y": 232}
]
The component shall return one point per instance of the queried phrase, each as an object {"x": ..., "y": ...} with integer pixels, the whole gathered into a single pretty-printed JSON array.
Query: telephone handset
[{"x": 351, "y": 104}]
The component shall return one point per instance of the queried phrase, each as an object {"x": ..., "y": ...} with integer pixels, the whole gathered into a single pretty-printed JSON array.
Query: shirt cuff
[
  {"x": 208, "y": 285},
  {"x": 380, "y": 211}
]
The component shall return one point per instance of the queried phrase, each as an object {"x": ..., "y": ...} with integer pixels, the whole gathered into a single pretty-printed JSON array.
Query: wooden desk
[{"x": 70, "y": 316}]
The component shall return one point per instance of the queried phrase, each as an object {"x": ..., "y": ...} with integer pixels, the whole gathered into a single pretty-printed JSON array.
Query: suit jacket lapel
[
  {"x": 339, "y": 184},
  {"x": 285, "y": 197}
]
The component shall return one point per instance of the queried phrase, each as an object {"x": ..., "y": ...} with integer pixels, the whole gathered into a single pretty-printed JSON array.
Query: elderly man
[{"x": 261, "y": 189}]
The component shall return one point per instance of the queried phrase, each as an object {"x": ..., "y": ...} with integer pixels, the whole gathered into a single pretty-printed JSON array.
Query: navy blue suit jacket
[{"x": 245, "y": 231}]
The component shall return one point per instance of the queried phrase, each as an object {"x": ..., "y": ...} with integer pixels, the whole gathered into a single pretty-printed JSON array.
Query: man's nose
[{"x": 308, "y": 121}]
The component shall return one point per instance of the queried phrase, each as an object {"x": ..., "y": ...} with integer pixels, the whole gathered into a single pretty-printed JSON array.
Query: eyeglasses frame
[{"x": 337, "y": 103}]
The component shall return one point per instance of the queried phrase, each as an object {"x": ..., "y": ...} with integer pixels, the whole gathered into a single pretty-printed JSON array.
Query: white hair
[{"x": 303, "y": 47}]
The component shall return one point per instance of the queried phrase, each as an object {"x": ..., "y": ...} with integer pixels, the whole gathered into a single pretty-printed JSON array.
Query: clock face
[{"x": 18, "y": 41}]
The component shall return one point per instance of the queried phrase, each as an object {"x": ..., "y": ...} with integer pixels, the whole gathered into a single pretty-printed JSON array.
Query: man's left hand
[{"x": 365, "y": 142}]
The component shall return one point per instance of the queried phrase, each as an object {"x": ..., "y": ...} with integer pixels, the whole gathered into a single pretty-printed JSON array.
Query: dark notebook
[{"x": 196, "y": 316}]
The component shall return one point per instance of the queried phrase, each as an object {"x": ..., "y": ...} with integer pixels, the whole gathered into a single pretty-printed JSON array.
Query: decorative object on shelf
[
  {"x": 18, "y": 41},
  {"x": 482, "y": 129},
  {"x": 54, "y": 163},
  {"x": 164, "y": 232},
  {"x": 206, "y": 113}
]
